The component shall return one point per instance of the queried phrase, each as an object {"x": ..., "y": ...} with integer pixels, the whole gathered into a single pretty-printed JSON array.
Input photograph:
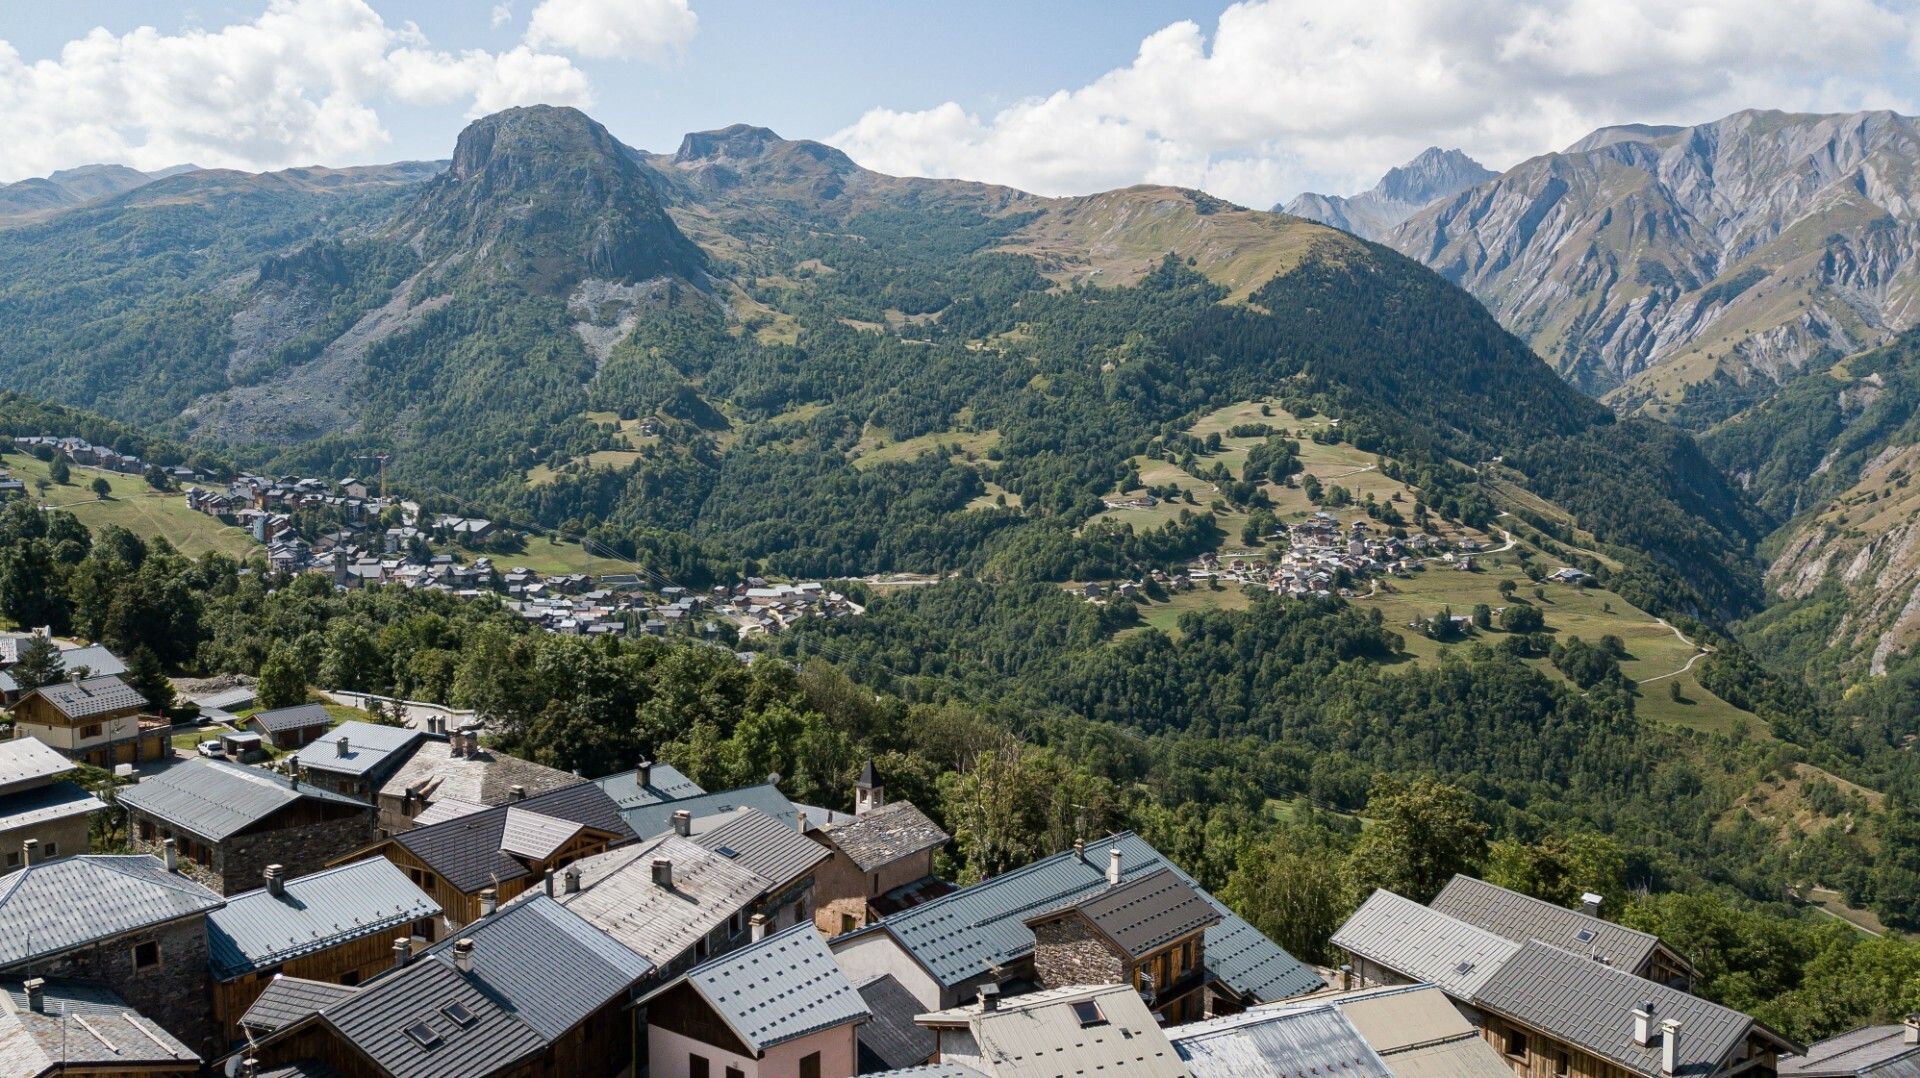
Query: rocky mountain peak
[{"x": 1433, "y": 175}]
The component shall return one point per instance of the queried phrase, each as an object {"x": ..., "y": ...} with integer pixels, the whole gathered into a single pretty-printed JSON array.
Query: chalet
[
  {"x": 1883, "y": 1051},
  {"x": 1102, "y": 1029},
  {"x": 1148, "y": 932},
  {"x": 944, "y": 949},
  {"x": 459, "y": 768},
  {"x": 127, "y": 923},
  {"x": 76, "y": 660},
  {"x": 230, "y": 821},
  {"x": 56, "y": 1026},
  {"x": 776, "y": 1007},
  {"x": 290, "y": 727},
  {"x": 97, "y": 720},
  {"x": 530, "y": 990},
  {"x": 1520, "y": 918},
  {"x": 336, "y": 926},
  {"x": 40, "y": 805},
  {"x": 882, "y": 859},
  {"x": 489, "y": 856},
  {"x": 356, "y": 758},
  {"x": 776, "y": 852},
  {"x": 647, "y": 784}
]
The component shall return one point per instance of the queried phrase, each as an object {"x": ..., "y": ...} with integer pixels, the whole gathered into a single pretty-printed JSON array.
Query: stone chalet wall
[
  {"x": 1066, "y": 950},
  {"x": 240, "y": 863},
  {"x": 177, "y": 993}
]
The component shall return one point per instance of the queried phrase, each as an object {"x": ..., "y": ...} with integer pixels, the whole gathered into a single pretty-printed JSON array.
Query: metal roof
[
  {"x": 283, "y": 720},
  {"x": 25, "y": 761},
  {"x": 91, "y": 696},
  {"x": 287, "y": 1000},
  {"x": 885, "y": 835},
  {"x": 79, "y": 1024},
  {"x": 98, "y": 660},
  {"x": 617, "y": 894},
  {"x": 486, "y": 777},
  {"x": 932, "y": 1070},
  {"x": 375, "y": 1019},
  {"x": 447, "y": 808},
  {"x": 783, "y": 987},
  {"x": 1521, "y": 918},
  {"x": 891, "y": 1038},
  {"x": 1869, "y": 1049},
  {"x": 1042, "y": 1035},
  {"x": 1144, "y": 913},
  {"x": 664, "y": 783},
  {"x": 956, "y": 936},
  {"x": 1425, "y": 945},
  {"x": 534, "y": 836},
  {"x": 215, "y": 799},
  {"x": 1590, "y": 1005},
  {"x": 259, "y": 929},
  {"x": 468, "y": 851},
  {"x": 46, "y": 803},
  {"x": 657, "y": 818},
  {"x": 57, "y": 905},
  {"x": 763, "y": 845},
  {"x": 370, "y": 748},
  {"x": 1290, "y": 1043}
]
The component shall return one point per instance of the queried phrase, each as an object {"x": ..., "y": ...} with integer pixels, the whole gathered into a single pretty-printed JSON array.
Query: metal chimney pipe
[
  {"x": 549, "y": 883},
  {"x": 1114, "y": 873}
]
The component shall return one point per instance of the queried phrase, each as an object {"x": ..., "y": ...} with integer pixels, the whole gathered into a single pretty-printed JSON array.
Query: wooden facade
[
  {"x": 350, "y": 963},
  {"x": 602, "y": 1044},
  {"x": 1536, "y": 1054},
  {"x": 122, "y": 736}
]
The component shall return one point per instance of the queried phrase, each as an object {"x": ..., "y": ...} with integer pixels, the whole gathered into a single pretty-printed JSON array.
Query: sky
[{"x": 1253, "y": 101}]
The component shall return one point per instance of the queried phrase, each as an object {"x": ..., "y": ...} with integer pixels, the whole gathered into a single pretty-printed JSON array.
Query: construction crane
[{"x": 382, "y": 458}]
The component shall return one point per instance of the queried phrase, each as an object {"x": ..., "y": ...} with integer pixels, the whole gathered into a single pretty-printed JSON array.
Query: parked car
[{"x": 212, "y": 750}]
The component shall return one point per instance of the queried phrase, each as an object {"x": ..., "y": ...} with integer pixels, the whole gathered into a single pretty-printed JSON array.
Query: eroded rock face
[{"x": 1401, "y": 193}]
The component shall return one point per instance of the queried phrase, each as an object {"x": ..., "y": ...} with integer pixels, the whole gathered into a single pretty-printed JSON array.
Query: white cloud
[
  {"x": 614, "y": 29},
  {"x": 297, "y": 85},
  {"x": 1292, "y": 94},
  {"x": 502, "y": 14}
]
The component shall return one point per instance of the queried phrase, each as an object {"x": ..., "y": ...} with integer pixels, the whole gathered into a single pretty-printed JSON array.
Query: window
[
  {"x": 146, "y": 955},
  {"x": 458, "y": 1013},
  {"x": 423, "y": 1035},
  {"x": 733, "y": 925},
  {"x": 847, "y": 922},
  {"x": 697, "y": 1066},
  {"x": 146, "y": 830},
  {"x": 350, "y": 978},
  {"x": 1562, "y": 1063},
  {"x": 736, "y": 1072},
  {"x": 1089, "y": 1014},
  {"x": 13, "y": 860},
  {"x": 1516, "y": 1043},
  {"x": 810, "y": 1065},
  {"x": 92, "y": 729},
  {"x": 1585, "y": 935},
  {"x": 50, "y": 849}
]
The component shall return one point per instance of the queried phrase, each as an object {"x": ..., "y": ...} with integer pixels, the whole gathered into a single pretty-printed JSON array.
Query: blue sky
[{"x": 1253, "y": 101}]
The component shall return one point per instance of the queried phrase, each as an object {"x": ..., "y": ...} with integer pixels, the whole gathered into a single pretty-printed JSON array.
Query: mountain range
[{"x": 1404, "y": 191}]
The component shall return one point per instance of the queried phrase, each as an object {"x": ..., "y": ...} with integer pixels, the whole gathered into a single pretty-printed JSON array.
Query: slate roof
[
  {"x": 885, "y": 835},
  {"x": 104, "y": 1029},
  {"x": 468, "y": 852},
  {"x": 1590, "y": 1005},
  {"x": 285, "y": 720},
  {"x": 891, "y": 1038},
  {"x": 1144, "y": 913},
  {"x": 782, "y": 988},
  {"x": 1875, "y": 1050},
  {"x": 375, "y": 1019},
  {"x": 372, "y": 750},
  {"x": 1520, "y": 918},
  {"x": 287, "y": 1000},
  {"x": 26, "y": 761},
  {"x": 664, "y": 783},
  {"x": 1316, "y": 1040},
  {"x": 258, "y": 929},
  {"x": 57, "y": 905},
  {"x": 1423, "y": 944},
  {"x": 657, "y": 818},
  {"x": 216, "y": 799},
  {"x": 957, "y": 935},
  {"x": 617, "y": 894},
  {"x": 763, "y": 845},
  {"x": 1040, "y": 1034},
  {"x": 485, "y": 778},
  {"x": 89, "y": 697},
  {"x": 46, "y": 803}
]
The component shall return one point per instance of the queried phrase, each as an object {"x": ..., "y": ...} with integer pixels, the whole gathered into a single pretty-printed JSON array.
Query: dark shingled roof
[
  {"x": 103, "y": 1031},
  {"x": 287, "y": 1000},
  {"x": 375, "y": 1019},
  {"x": 885, "y": 835},
  {"x": 1143, "y": 914},
  {"x": 91, "y": 696},
  {"x": 284, "y": 720},
  {"x": 891, "y": 1038},
  {"x": 467, "y": 851},
  {"x": 762, "y": 844}
]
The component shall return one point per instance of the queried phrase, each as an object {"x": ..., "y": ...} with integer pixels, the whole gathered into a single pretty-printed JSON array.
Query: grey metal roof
[
  {"x": 783, "y": 987},
  {"x": 371, "y": 748},
  {"x": 617, "y": 894},
  {"x": 300, "y": 1068},
  {"x": 97, "y": 660},
  {"x": 657, "y": 818},
  {"x": 91, "y": 696},
  {"x": 79, "y": 1024},
  {"x": 1423, "y": 944},
  {"x": 1521, "y": 918},
  {"x": 534, "y": 836},
  {"x": 61, "y": 904},
  {"x": 1144, "y": 913},
  {"x": 932, "y": 1070},
  {"x": 286, "y": 1000},
  {"x": 957, "y": 935},
  {"x": 56, "y": 802},
  {"x": 216, "y": 799},
  {"x": 764, "y": 845},
  {"x": 1296, "y": 1041},
  {"x": 1869, "y": 1049},
  {"x": 375, "y": 1019},
  {"x": 664, "y": 783},
  {"x": 258, "y": 929},
  {"x": 891, "y": 1038},
  {"x": 885, "y": 835},
  {"x": 468, "y": 851},
  {"x": 1590, "y": 1006},
  {"x": 446, "y": 808},
  {"x": 283, "y": 720},
  {"x": 25, "y": 761},
  {"x": 1041, "y": 1035},
  {"x": 486, "y": 778}
]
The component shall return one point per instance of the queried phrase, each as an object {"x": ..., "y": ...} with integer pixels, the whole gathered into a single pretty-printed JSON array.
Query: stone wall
[
  {"x": 240, "y": 863},
  {"x": 176, "y": 993},
  {"x": 1066, "y": 950}
]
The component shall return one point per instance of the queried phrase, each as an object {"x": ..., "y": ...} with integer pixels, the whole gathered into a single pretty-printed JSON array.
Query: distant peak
[
  {"x": 1435, "y": 173},
  {"x": 734, "y": 141}
]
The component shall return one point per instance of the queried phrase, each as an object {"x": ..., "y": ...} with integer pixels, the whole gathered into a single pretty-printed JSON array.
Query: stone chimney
[
  {"x": 758, "y": 923},
  {"x": 1346, "y": 976},
  {"x": 573, "y": 880},
  {"x": 340, "y": 747},
  {"x": 516, "y": 792},
  {"x": 36, "y": 994},
  {"x": 402, "y": 952},
  {"x": 170, "y": 852},
  {"x": 1643, "y": 1025},
  {"x": 1080, "y": 849},
  {"x": 663, "y": 872},
  {"x": 643, "y": 773},
  {"x": 682, "y": 823},
  {"x": 276, "y": 880},
  {"x": 463, "y": 954},
  {"x": 1670, "y": 1047},
  {"x": 30, "y": 851},
  {"x": 489, "y": 901},
  {"x": 1910, "y": 1030},
  {"x": 1113, "y": 867},
  {"x": 1590, "y": 903},
  {"x": 989, "y": 997}
]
